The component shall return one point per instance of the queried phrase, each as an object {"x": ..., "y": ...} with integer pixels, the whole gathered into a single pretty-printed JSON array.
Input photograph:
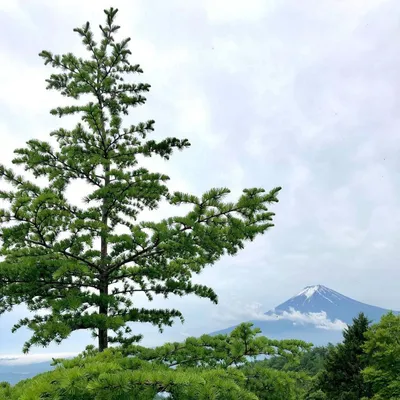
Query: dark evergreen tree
[
  {"x": 341, "y": 378},
  {"x": 51, "y": 261}
]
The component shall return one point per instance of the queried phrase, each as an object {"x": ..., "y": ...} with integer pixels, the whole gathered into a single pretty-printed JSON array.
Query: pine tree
[
  {"x": 341, "y": 377},
  {"x": 51, "y": 262}
]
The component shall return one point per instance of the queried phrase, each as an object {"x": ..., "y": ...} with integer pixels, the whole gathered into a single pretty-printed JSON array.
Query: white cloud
[
  {"x": 194, "y": 118},
  {"x": 237, "y": 10},
  {"x": 15, "y": 10},
  {"x": 18, "y": 359},
  {"x": 380, "y": 245},
  {"x": 23, "y": 87},
  {"x": 319, "y": 319},
  {"x": 253, "y": 311}
]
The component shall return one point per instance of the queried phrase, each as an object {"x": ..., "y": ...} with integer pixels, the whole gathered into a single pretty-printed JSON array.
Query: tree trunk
[
  {"x": 103, "y": 307},
  {"x": 103, "y": 310}
]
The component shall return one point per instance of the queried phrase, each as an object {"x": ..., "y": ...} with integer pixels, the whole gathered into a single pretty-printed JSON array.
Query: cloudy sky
[{"x": 299, "y": 94}]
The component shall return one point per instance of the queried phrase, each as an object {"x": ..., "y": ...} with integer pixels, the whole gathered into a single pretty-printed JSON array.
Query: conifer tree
[
  {"x": 342, "y": 375},
  {"x": 51, "y": 262}
]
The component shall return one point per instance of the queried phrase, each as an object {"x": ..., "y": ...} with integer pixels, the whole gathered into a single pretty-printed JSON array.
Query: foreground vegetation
[
  {"x": 364, "y": 366},
  {"x": 52, "y": 266},
  {"x": 201, "y": 368}
]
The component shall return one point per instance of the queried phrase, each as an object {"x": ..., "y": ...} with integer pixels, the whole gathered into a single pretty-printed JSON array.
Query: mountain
[
  {"x": 316, "y": 299},
  {"x": 317, "y": 314}
]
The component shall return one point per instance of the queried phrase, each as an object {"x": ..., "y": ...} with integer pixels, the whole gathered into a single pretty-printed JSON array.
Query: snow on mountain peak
[
  {"x": 315, "y": 292},
  {"x": 309, "y": 291}
]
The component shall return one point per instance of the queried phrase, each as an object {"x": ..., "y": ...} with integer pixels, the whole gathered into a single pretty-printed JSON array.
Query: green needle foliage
[
  {"x": 236, "y": 349},
  {"x": 51, "y": 262},
  {"x": 199, "y": 368}
]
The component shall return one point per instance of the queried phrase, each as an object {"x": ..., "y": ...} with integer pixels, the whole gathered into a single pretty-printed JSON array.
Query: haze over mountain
[
  {"x": 317, "y": 314},
  {"x": 14, "y": 373}
]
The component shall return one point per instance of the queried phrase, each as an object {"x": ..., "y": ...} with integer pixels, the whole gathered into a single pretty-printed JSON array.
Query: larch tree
[{"x": 68, "y": 264}]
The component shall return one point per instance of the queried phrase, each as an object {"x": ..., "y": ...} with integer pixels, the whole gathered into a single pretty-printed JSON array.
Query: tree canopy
[{"x": 382, "y": 348}]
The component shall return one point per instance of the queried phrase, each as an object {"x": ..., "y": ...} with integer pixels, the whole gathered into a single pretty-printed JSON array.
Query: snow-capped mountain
[
  {"x": 317, "y": 314},
  {"x": 317, "y": 299}
]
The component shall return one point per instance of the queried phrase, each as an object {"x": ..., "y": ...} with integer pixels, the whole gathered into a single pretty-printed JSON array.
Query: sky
[{"x": 298, "y": 94}]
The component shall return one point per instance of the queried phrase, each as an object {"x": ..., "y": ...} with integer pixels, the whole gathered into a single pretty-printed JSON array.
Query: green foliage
[
  {"x": 298, "y": 375},
  {"x": 311, "y": 362},
  {"x": 341, "y": 378},
  {"x": 133, "y": 372},
  {"x": 318, "y": 395},
  {"x": 271, "y": 384},
  {"x": 5, "y": 390},
  {"x": 109, "y": 375},
  {"x": 240, "y": 347},
  {"x": 382, "y": 348},
  {"x": 51, "y": 261}
]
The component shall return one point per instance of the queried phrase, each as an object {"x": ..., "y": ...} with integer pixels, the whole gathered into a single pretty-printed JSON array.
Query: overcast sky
[{"x": 298, "y": 94}]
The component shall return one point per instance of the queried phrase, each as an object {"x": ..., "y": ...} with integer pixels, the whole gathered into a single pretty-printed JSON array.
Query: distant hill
[
  {"x": 18, "y": 372},
  {"x": 317, "y": 314}
]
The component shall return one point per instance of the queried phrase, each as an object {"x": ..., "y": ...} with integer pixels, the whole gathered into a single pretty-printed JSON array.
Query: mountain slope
[{"x": 317, "y": 314}]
